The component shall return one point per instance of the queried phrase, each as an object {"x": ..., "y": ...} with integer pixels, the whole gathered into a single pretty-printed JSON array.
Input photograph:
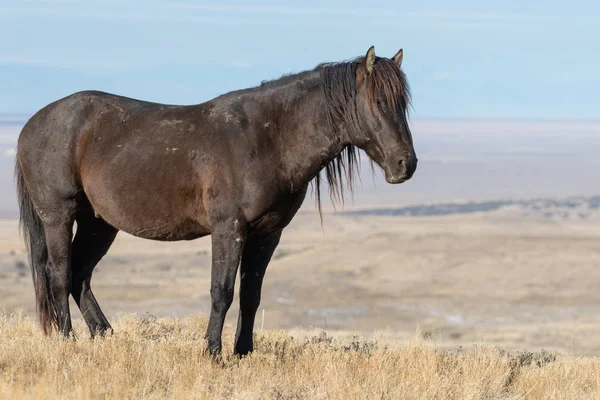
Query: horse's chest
[
  {"x": 270, "y": 222},
  {"x": 279, "y": 215}
]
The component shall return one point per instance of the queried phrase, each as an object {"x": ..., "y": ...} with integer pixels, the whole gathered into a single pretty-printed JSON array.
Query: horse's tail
[{"x": 35, "y": 241}]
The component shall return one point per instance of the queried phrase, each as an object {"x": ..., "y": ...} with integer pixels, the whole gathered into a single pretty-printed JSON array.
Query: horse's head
[{"x": 382, "y": 99}]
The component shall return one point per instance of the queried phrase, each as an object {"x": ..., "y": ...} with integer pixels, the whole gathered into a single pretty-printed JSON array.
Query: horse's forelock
[{"x": 389, "y": 82}]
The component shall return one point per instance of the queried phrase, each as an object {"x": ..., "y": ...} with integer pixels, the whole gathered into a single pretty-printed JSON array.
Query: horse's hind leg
[
  {"x": 92, "y": 240},
  {"x": 59, "y": 232}
]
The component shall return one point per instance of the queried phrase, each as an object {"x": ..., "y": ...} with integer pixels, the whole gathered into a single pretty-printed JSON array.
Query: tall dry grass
[{"x": 150, "y": 358}]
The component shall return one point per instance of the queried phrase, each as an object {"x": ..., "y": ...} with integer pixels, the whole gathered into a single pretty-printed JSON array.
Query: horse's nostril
[{"x": 401, "y": 162}]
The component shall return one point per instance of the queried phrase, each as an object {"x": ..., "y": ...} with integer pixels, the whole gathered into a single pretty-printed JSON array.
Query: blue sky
[{"x": 464, "y": 59}]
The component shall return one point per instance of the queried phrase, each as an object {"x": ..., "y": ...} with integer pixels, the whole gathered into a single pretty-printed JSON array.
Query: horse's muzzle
[{"x": 401, "y": 170}]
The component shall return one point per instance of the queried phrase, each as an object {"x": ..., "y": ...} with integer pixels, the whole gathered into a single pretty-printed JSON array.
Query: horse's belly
[
  {"x": 152, "y": 208},
  {"x": 171, "y": 232},
  {"x": 148, "y": 226}
]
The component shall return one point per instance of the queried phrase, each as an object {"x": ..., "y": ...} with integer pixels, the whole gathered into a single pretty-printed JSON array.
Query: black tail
[{"x": 35, "y": 241}]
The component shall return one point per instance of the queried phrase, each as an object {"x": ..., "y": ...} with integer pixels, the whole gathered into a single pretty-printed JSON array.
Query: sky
[{"x": 464, "y": 58}]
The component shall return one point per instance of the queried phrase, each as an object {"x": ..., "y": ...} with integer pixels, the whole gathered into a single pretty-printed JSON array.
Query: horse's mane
[{"x": 386, "y": 84}]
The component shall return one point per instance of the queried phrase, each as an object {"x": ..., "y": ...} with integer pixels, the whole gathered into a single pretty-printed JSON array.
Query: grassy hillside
[{"x": 163, "y": 358}]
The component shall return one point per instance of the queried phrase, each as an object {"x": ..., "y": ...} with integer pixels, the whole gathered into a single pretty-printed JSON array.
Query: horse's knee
[{"x": 222, "y": 297}]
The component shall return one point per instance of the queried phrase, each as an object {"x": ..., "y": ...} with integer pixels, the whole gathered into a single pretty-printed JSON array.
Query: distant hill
[{"x": 568, "y": 208}]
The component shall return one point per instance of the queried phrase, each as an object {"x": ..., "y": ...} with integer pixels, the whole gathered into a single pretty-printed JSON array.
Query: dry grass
[{"x": 163, "y": 358}]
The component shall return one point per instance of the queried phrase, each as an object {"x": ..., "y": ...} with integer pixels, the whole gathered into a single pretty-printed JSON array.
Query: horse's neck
[{"x": 308, "y": 142}]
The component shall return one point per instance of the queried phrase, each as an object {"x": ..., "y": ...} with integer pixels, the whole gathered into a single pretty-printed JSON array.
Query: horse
[{"x": 236, "y": 167}]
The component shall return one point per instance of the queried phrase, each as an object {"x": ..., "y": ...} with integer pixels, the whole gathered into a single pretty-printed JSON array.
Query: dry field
[
  {"x": 500, "y": 304},
  {"x": 505, "y": 277},
  {"x": 152, "y": 358}
]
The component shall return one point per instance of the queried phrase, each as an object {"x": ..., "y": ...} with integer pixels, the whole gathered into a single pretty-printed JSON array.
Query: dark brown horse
[{"x": 236, "y": 167}]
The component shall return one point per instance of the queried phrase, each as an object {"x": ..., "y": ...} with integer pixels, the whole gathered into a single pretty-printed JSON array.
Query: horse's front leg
[
  {"x": 228, "y": 238},
  {"x": 257, "y": 254}
]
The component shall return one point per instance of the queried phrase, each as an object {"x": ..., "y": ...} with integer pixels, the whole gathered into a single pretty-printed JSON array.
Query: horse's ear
[
  {"x": 370, "y": 59},
  {"x": 398, "y": 58}
]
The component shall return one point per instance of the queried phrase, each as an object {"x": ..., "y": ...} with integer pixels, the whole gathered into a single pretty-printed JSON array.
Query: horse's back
[
  {"x": 109, "y": 150},
  {"x": 89, "y": 124}
]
